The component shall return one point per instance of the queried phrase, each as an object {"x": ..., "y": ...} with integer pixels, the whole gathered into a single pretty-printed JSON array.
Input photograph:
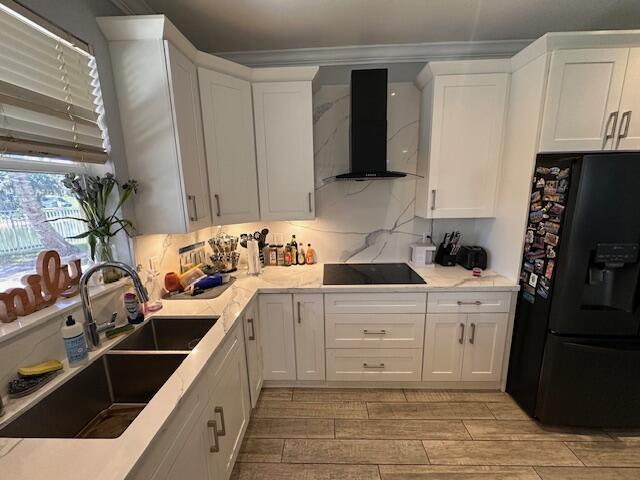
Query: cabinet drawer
[
  {"x": 469, "y": 302},
  {"x": 383, "y": 330},
  {"x": 375, "y": 302},
  {"x": 374, "y": 364}
]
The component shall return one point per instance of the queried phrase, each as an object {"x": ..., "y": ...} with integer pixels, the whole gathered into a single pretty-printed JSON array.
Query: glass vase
[{"x": 104, "y": 253}]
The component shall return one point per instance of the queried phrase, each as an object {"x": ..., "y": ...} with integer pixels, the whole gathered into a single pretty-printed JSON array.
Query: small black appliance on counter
[{"x": 471, "y": 257}]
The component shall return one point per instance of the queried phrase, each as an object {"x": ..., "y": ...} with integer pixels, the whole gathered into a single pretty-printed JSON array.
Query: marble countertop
[{"x": 111, "y": 459}]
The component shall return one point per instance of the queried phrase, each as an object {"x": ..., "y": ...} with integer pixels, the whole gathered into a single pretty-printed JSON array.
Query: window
[{"x": 51, "y": 123}]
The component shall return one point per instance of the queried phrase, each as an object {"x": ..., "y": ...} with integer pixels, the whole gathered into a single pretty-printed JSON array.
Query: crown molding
[
  {"x": 133, "y": 7},
  {"x": 370, "y": 54}
]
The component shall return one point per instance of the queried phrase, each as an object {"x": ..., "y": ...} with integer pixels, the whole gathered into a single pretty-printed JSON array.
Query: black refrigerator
[{"x": 575, "y": 353}]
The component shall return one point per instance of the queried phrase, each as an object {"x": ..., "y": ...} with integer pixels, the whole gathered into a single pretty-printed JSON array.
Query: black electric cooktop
[{"x": 370, "y": 274}]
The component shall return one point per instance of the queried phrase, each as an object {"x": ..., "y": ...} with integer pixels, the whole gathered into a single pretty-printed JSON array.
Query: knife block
[{"x": 444, "y": 256}]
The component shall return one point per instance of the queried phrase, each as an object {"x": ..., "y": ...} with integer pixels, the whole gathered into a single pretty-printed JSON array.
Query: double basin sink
[{"x": 103, "y": 399}]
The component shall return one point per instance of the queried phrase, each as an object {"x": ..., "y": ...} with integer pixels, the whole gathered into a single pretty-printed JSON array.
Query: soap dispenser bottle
[{"x": 75, "y": 342}]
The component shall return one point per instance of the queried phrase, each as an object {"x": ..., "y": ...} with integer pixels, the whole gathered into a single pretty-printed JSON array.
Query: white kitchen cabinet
[
  {"x": 159, "y": 102},
  {"x": 284, "y": 149},
  {"x": 192, "y": 460},
  {"x": 583, "y": 95},
  {"x": 309, "y": 334},
  {"x": 277, "y": 337},
  {"x": 443, "y": 346},
  {"x": 464, "y": 347},
  {"x": 484, "y": 347},
  {"x": 229, "y": 397},
  {"x": 629, "y": 130},
  {"x": 462, "y": 122},
  {"x": 374, "y": 364},
  {"x": 227, "y": 116},
  {"x": 253, "y": 348}
]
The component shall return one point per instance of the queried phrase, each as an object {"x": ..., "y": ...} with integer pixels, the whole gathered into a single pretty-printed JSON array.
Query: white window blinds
[{"x": 50, "y": 100}]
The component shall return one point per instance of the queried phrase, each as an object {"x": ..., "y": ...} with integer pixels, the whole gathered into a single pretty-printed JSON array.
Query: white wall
[{"x": 504, "y": 235}]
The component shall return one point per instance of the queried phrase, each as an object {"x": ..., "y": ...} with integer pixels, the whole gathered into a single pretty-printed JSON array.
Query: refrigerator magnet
[
  {"x": 528, "y": 267},
  {"x": 535, "y": 196},
  {"x": 540, "y": 183},
  {"x": 551, "y": 187},
  {"x": 542, "y": 170},
  {"x": 564, "y": 173},
  {"x": 562, "y": 186},
  {"x": 533, "y": 280},
  {"x": 528, "y": 237},
  {"x": 551, "y": 253},
  {"x": 555, "y": 171},
  {"x": 548, "y": 273},
  {"x": 537, "y": 216},
  {"x": 542, "y": 292},
  {"x": 538, "y": 266},
  {"x": 535, "y": 206},
  {"x": 557, "y": 209},
  {"x": 551, "y": 239},
  {"x": 528, "y": 297},
  {"x": 552, "y": 227}
]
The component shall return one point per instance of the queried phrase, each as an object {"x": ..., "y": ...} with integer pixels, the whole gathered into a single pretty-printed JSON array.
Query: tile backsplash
[{"x": 355, "y": 221}]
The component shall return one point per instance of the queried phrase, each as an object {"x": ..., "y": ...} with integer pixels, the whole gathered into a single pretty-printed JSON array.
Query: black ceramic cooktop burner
[{"x": 370, "y": 274}]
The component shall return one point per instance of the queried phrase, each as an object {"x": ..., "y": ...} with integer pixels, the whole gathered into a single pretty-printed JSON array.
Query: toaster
[{"x": 471, "y": 257}]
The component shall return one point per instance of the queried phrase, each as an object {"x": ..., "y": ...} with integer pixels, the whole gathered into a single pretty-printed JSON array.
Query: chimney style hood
[{"x": 368, "y": 127}]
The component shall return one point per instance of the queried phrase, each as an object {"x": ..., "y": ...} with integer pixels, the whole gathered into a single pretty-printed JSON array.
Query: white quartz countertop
[{"x": 111, "y": 459}]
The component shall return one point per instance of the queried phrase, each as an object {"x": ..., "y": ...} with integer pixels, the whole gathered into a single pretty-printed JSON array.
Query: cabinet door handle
[
  {"x": 472, "y": 337},
  {"x": 475, "y": 302},
  {"x": 310, "y": 209},
  {"x": 222, "y": 432},
  {"x": 216, "y": 444},
  {"x": 217, "y": 197},
  {"x": 253, "y": 329},
  {"x": 299, "y": 312},
  {"x": 625, "y": 120},
  {"x": 366, "y": 365},
  {"x": 461, "y": 339},
  {"x": 612, "y": 121},
  {"x": 374, "y": 332},
  {"x": 192, "y": 198},
  {"x": 433, "y": 199}
]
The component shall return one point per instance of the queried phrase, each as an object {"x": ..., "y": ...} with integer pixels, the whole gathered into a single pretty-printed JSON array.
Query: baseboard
[{"x": 412, "y": 385}]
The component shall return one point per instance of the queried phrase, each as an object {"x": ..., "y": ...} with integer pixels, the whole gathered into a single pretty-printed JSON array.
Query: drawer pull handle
[
  {"x": 253, "y": 329},
  {"x": 299, "y": 312},
  {"x": 222, "y": 431},
  {"x": 472, "y": 337},
  {"x": 374, "y": 332},
  {"x": 216, "y": 444},
  {"x": 476, "y": 302},
  {"x": 461, "y": 339},
  {"x": 366, "y": 365}
]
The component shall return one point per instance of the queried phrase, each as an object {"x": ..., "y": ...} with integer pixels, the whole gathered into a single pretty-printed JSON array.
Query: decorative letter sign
[{"x": 42, "y": 289}]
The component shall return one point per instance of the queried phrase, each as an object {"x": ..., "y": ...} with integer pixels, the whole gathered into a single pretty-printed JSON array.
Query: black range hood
[{"x": 368, "y": 127}]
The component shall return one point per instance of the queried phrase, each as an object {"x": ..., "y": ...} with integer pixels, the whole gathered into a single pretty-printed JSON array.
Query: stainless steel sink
[
  {"x": 168, "y": 334},
  {"x": 99, "y": 402}
]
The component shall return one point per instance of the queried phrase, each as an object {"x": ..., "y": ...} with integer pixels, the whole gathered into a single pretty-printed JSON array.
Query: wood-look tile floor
[{"x": 395, "y": 434}]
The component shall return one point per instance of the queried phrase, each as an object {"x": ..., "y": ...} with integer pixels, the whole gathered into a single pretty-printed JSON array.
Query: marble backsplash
[{"x": 370, "y": 221}]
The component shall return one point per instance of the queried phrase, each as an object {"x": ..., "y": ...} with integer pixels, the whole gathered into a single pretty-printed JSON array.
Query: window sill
[{"x": 62, "y": 306}]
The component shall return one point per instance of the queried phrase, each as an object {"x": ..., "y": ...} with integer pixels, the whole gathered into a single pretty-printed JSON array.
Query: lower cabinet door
[
  {"x": 277, "y": 337},
  {"x": 484, "y": 347},
  {"x": 309, "y": 333},
  {"x": 253, "y": 350},
  {"x": 443, "y": 346},
  {"x": 230, "y": 408},
  {"x": 374, "y": 364}
]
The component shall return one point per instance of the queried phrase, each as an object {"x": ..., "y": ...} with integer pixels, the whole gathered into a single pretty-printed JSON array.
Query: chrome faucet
[{"x": 93, "y": 329}]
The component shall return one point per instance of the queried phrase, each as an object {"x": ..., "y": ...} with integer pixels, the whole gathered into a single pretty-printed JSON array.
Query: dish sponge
[{"x": 40, "y": 368}]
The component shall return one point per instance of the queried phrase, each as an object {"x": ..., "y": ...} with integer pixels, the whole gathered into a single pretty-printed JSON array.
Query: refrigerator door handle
[
  {"x": 600, "y": 348},
  {"x": 613, "y": 117}
]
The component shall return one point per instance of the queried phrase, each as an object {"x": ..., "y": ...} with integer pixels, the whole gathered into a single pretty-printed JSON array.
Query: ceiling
[{"x": 244, "y": 25}]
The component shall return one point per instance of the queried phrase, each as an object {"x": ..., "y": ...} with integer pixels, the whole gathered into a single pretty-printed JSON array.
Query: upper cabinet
[
  {"x": 159, "y": 103},
  {"x": 190, "y": 138},
  {"x": 284, "y": 148},
  {"x": 227, "y": 117},
  {"x": 462, "y": 118},
  {"x": 591, "y": 97}
]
